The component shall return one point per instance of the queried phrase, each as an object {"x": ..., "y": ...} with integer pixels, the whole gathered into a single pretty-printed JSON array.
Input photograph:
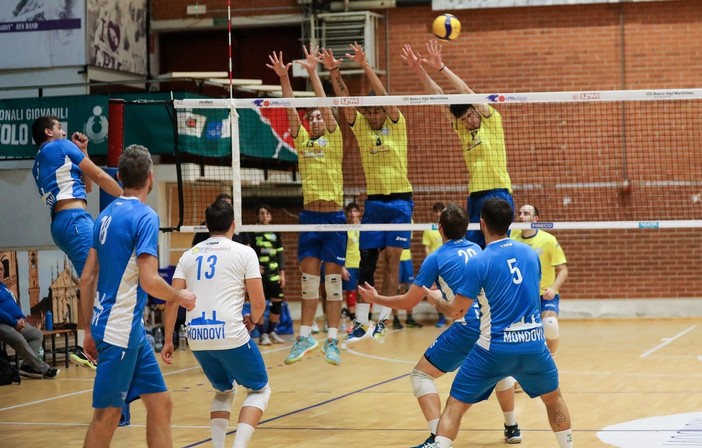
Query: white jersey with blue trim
[
  {"x": 509, "y": 273},
  {"x": 57, "y": 174},
  {"x": 216, "y": 271},
  {"x": 126, "y": 229},
  {"x": 446, "y": 267}
]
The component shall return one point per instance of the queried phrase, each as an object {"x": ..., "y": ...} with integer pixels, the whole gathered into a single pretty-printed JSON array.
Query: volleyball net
[{"x": 587, "y": 160}]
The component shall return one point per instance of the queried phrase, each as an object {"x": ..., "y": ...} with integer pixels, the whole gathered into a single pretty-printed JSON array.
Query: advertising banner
[
  {"x": 440, "y": 5},
  {"x": 117, "y": 35}
]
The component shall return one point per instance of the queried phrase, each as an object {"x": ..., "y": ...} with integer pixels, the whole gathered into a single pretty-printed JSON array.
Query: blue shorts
[
  {"x": 227, "y": 368},
  {"x": 72, "y": 231},
  {"x": 551, "y": 305},
  {"x": 481, "y": 370},
  {"x": 397, "y": 211},
  {"x": 352, "y": 283},
  {"x": 475, "y": 206},
  {"x": 327, "y": 246},
  {"x": 124, "y": 374},
  {"x": 452, "y": 346},
  {"x": 406, "y": 272}
]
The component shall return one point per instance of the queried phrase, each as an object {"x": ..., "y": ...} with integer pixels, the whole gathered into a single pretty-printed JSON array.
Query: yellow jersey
[
  {"x": 432, "y": 239},
  {"x": 406, "y": 255},
  {"x": 353, "y": 254},
  {"x": 484, "y": 153},
  {"x": 320, "y": 166},
  {"x": 383, "y": 155},
  {"x": 550, "y": 254}
]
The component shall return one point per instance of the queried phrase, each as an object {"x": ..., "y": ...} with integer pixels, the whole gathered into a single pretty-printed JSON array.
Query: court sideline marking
[{"x": 667, "y": 341}]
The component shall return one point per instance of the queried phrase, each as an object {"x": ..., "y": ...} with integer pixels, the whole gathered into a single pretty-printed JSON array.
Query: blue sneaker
[
  {"x": 441, "y": 322},
  {"x": 332, "y": 355},
  {"x": 379, "y": 332},
  {"x": 358, "y": 332},
  {"x": 513, "y": 434},
  {"x": 302, "y": 345},
  {"x": 426, "y": 443}
]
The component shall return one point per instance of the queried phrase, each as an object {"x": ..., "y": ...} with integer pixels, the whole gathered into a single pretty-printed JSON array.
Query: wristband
[
  {"x": 332, "y": 69},
  {"x": 443, "y": 66}
]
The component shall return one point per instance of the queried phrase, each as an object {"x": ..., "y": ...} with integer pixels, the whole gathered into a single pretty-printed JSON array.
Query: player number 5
[{"x": 515, "y": 271}]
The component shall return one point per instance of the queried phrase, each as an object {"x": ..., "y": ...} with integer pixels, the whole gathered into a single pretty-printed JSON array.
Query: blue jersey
[
  {"x": 57, "y": 174},
  {"x": 446, "y": 267},
  {"x": 123, "y": 231},
  {"x": 509, "y": 272}
]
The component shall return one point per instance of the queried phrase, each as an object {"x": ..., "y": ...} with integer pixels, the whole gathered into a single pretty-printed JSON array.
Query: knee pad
[
  {"x": 258, "y": 398},
  {"x": 276, "y": 306},
  {"x": 332, "y": 284},
  {"x": 504, "y": 384},
  {"x": 366, "y": 270},
  {"x": 222, "y": 401},
  {"x": 550, "y": 327},
  {"x": 422, "y": 383},
  {"x": 351, "y": 299},
  {"x": 310, "y": 286}
]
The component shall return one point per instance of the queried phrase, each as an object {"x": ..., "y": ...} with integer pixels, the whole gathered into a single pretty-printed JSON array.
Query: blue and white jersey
[
  {"x": 509, "y": 272},
  {"x": 446, "y": 267},
  {"x": 126, "y": 229},
  {"x": 57, "y": 174},
  {"x": 216, "y": 271}
]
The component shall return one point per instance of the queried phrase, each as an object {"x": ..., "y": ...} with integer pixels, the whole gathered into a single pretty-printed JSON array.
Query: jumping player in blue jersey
[
  {"x": 511, "y": 341},
  {"x": 445, "y": 268},
  {"x": 64, "y": 174},
  {"x": 121, "y": 270}
]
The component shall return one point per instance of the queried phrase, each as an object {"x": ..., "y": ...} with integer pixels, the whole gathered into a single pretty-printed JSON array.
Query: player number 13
[{"x": 209, "y": 269}]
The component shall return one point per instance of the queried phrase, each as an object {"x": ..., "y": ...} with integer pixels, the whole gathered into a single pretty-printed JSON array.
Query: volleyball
[{"x": 446, "y": 27}]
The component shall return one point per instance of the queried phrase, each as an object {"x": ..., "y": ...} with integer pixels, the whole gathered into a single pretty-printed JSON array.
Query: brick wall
[{"x": 560, "y": 48}]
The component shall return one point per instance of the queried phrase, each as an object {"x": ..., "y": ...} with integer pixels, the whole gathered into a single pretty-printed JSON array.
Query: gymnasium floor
[{"x": 628, "y": 383}]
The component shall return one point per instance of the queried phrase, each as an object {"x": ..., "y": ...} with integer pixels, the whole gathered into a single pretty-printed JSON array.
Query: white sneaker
[
  {"x": 265, "y": 339},
  {"x": 276, "y": 339}
]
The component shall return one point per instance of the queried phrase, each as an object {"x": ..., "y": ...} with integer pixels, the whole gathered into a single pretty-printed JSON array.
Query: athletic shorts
[
  {"x": 551, "y": 305},
  {"x": 475, "y": 206},
  {"x": 536, "y": 373},
  {"x": 396, "y": 211},
  {"x": 72, "y": 231},
  {"x": 272, "y": 290},
  {"x": 227, "y": 368},
  {"x": 352, "y": 283},
  {"x": 452, "y": 346},
  {"x": 326, "y": 246},
  {"x": 124, "y": 374},
  {"x": 406, "y": 272}
]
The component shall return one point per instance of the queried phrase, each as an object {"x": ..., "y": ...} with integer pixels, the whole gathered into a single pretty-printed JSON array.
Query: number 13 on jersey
[{"x": 210, "y": 265}]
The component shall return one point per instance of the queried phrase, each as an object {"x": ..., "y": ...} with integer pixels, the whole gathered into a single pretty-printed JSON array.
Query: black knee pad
[
  {"x": 366, "y": 269},
  {"x": 276, "y": 306}
]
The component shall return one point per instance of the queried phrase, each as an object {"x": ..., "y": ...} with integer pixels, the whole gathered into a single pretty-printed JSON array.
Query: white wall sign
[{"x": 438, "y": 5}]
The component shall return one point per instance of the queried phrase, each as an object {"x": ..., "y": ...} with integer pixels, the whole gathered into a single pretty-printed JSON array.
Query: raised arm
[
  {"x": 81, "y": 141},
  {"x": 333, "y": 65},
  {"x": 312, "y": 57},
  {"x": 281, "y": 69},
  {"x": 100, "y": 177},
  {"x": 434, "y": 60},
  {"x": 414, "y": 62},
  {"x": 359, "y": 56}
]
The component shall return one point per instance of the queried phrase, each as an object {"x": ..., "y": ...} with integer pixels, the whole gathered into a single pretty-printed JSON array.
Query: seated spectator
[{"x": 17, "y": 333}]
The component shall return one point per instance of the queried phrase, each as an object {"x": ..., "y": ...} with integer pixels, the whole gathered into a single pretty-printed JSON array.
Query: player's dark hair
[
  {"x": 438, "y": 207},
  {"x": 38, "y": 127},
  {"x": 134, "y": 166},
  {"x": 457, "y": 110},
  {"x": 454, "y": 221},
  {"x": 265, "y": 207},
  {"x": 351, "y": 206},
  {"x": 498, "y": 215},
  {"x": 219, "y": 217},
  {"x": 224, "y": 197}
]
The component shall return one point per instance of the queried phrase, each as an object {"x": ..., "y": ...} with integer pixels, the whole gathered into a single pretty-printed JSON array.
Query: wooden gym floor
[{"x": 614, "y": 374}]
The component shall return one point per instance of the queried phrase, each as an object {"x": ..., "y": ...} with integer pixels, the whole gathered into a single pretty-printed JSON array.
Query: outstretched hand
[
  {"x": 359, "y": 55},
  {"x": 328, "y": 59},
  {"x": 277, "y": 64},
  {"x": 414, "y": 60},
  {"x": 312, "y": 57},
  {"x": 368, "y": 292},
  {"x": 434, "y": 50}
]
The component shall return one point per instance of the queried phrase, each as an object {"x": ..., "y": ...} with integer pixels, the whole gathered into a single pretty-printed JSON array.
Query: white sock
[
  {"x": 81, "y": 337},
  {"x": 443, "y": 442},
  {"x": 243, "y": 435},
  {"x": 333, "y": 333},
  {"x": 565, "y": 438},
  {"x": 362, "y": 310},
  {"x": 218, "y": 430},
  {"x": 510, "y": 418},
  {"x": 433, "y": 425},
  {"x": 383, "y": 313},
  {"x": 305, "y": 330}
]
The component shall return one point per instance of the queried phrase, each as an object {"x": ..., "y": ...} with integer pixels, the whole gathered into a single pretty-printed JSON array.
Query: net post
[
  {"x": 115, "y": 136},
  {"x": 236, "y": 164}
]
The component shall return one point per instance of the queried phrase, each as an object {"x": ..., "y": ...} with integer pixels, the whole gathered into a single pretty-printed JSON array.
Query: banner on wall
[
  {"x": 440, "y": 5},
  {"x": 42, "y": 33},
  {"x": 117, "y": 35}
]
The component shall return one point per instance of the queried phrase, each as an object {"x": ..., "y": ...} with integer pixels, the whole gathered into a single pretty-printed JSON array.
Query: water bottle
[
  {"x": 158, "y": 339},
  {"x": 48, "y": 321},
  {"x": 41, "y": 353},
  {"x": 182, "y": 340}
]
